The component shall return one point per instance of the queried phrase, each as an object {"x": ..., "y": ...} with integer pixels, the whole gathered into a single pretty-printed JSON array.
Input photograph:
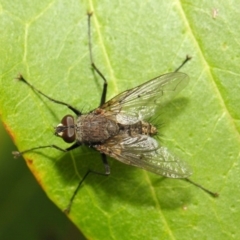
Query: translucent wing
[
  {"x": 141, "y": 102},
  {"x": 144, "y": 152}
]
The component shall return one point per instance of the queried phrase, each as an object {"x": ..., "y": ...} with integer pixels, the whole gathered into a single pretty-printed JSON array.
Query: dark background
[{"x": 26, "y": 212}]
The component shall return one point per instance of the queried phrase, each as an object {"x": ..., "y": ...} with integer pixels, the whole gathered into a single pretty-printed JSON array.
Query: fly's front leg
[
  {"x": 17, "y": 154},
  {"x": 21, "y": 78}
]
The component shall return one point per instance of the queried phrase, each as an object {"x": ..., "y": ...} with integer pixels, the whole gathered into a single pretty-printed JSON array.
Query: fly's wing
[
  {"x": 144, "y": 152},
  {"x": 141, "y": 102}
]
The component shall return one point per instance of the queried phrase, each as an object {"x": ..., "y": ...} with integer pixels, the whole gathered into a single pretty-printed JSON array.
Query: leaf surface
[{"x": 132, "y": 42}]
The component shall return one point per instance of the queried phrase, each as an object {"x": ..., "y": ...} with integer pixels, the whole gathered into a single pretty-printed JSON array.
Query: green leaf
[{"x": 132, "y": 43}]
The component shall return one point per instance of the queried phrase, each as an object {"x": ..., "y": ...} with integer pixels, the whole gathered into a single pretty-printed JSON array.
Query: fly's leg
[
  {"x": 21, "y": 78},
  {"x": 106, "y": 173},
  {"x": 183, "y": 63},
  {"x": 17, "y": 154},
  {"x": 213, "y": 194},
  {"x": 105, "y": 84},
  {"x": 187, "y": 179}
]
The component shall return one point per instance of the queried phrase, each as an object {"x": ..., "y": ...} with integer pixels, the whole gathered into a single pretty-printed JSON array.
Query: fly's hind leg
[{"x": 183, "y": 63}]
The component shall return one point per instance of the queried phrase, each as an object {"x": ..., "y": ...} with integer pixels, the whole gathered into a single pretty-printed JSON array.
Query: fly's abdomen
[
  {"x": 95, "y": 128},
  {"x": 148, "y": 129},
  {"x": 140, "y": 127}
]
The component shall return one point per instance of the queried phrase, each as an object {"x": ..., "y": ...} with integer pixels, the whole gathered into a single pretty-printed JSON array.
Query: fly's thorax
[
  {"x": 95, "y": 127},
  {"x": 148, "y": 129}
]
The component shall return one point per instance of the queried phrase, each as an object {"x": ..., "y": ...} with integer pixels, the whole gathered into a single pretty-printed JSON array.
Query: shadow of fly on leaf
[{"x": 119, "y": 128}]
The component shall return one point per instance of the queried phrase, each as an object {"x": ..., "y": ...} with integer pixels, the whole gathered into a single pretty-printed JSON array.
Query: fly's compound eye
[{"x": 66, "y": 129}]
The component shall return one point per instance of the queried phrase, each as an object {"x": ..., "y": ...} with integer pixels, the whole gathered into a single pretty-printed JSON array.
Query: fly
[{"x": 119, "y": 127}]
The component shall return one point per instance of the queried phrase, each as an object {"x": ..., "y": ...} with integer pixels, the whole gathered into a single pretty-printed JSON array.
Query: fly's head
[{"x": 66, "y": 129}]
